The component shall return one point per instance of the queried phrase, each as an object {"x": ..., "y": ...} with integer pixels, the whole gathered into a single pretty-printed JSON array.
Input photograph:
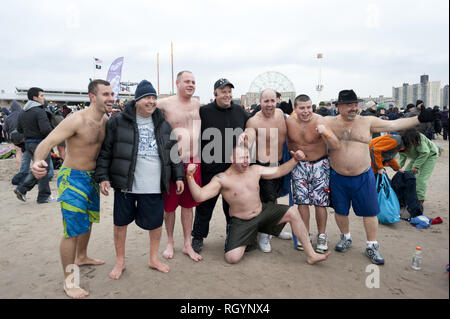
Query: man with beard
[{"x": 351, "y": 179}]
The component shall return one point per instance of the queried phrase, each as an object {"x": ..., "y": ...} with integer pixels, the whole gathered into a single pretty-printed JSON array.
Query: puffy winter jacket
[
  {"x": 117, "y": 158},
  {"x": 383, "y": 150}
]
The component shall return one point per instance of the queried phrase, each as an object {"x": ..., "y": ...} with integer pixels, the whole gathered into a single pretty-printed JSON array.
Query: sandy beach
[{"x": 30, "y": 265}]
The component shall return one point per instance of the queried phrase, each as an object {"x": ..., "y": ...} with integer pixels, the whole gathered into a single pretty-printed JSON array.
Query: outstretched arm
[
  {"x": 379, "y": 125},
  {"x": 201, "y": 194},
  {"x": 275, "y": 172}
]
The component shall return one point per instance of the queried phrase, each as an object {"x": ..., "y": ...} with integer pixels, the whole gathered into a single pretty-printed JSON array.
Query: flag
[
  {"x": 97, "y": 60},
  {"x": 319, "y": 55},
  {"x": 114, "y": 75}
]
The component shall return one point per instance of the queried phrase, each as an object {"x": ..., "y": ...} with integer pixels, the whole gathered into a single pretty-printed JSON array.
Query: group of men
[{"x": 158, "y": 155}]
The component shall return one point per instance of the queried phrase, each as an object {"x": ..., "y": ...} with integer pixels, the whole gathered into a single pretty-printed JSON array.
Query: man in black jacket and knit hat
[{"x": 135, "y": 160}]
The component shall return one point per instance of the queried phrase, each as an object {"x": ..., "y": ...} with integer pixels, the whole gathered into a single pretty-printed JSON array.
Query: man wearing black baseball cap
[
  {"x": 220, "y": 118},
  {"x": 351, "y": 180}
]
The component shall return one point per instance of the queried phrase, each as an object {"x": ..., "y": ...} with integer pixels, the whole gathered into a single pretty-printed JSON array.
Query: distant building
[
  {"x": 428, "y": 91},
  {"x": 445, "y": 96}
]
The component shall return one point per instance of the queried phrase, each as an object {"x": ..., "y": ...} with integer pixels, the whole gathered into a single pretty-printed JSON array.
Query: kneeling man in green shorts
[
  {"x": 83, "y": 132},
  {"x": 239, "y": 186}
]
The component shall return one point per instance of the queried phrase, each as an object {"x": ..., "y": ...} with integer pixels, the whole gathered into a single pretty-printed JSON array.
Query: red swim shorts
[{"x": 185, "y": 200}]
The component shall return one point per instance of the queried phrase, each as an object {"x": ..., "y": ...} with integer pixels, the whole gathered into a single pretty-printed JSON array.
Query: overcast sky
[{"x": 368, "y": 46}]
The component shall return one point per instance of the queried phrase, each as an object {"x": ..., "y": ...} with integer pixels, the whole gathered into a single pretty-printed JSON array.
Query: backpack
[
  {"x": 54, "y": 117},
  {"x": 16, "y": 137}
]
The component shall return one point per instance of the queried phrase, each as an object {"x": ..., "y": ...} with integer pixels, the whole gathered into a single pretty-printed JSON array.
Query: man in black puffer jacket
[{"x": 138, "y": 159}]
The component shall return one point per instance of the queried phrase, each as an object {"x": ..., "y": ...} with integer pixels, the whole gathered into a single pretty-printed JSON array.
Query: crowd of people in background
[{"x": 309, "y": 142}]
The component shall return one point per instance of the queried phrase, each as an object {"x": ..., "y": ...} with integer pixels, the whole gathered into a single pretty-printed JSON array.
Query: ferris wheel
[{"x": 271, "y": 80}]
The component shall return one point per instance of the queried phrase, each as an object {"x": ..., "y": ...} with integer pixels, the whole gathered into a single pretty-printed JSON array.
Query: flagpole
[
  {"x": 157, "y": 69},
  {"x": 93, "y": 61},
  {"x": 171, "y": 56}
]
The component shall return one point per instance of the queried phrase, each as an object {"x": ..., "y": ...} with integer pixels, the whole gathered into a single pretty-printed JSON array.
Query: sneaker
[
  {"x": 197, "y": 244},
  {"x": 47, "y": 200},
  {"x": 343, "y": 244},
  {"x": 322, "y": 243},
  {"x": 20, "y": 196},
  {"x": 299, "y": 244},
  {"x": 374, "y": 254},
  {"x": 285, "y": 235},
  {"x": 264, "y": 243}
]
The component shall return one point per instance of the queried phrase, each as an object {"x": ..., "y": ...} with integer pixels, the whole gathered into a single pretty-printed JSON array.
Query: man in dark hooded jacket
[
  {"x": 11, "y": 124},
  {"x": 33, "y": 123}
]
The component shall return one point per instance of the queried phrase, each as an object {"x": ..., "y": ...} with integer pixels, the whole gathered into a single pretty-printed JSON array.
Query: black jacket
[
  {"x": 323, "y": 111},
  {"x": 214, "y": 116},
  {"x": 33, "y": 122},
  {"x": 117, "y": 159}
]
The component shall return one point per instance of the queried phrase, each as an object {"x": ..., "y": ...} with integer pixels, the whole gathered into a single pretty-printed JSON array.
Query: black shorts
[
  {"x": 270, "y": 189},
  {"x": 146, "y": 209}
]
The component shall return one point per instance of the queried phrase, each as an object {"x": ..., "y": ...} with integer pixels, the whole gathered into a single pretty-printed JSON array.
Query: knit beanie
[
  {"x": 143, "y": 89},
  {"x": 381, "y": 105}
]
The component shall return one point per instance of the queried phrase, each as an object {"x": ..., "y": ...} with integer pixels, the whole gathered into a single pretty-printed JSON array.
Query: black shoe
[
  {"x": 20, "y": 195},
  {"x": 197, "y": 244},
  {"x": 49, "y": 199}
]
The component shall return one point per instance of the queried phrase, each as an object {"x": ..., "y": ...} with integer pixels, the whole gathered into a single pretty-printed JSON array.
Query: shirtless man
[
  {"x": 268, "y": 128},
  {"x": 83, "y": 132},
  {"x": 239, "y": 185},
  {"x": 182, "y": 113},
  {"x": 310, "y": 178},
  {"x": 351, "y": 179}
]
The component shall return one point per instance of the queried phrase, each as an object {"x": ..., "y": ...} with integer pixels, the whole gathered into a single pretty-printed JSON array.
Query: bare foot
[
  {"x": 191, "y": 253},
  {"x": 315, "y": 258},
  {"x": 88, "y": 261},
  {"x": 117, "y": 271},
  {"x": 158, "y": 265},
  {"x": 75, "y": 292},
  {"x": 168, "y": 253}
]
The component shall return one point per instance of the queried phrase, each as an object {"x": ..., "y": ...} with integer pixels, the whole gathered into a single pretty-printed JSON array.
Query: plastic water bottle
[{"x": 417, "y": 259}]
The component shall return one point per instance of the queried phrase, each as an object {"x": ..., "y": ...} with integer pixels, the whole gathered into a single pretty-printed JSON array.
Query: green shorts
[
  {"x": 244, "y": 232},
  {"x": 79, "y": 196}
]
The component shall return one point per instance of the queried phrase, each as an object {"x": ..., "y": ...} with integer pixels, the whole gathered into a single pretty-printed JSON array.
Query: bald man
[{"x": 268, "y": 128}]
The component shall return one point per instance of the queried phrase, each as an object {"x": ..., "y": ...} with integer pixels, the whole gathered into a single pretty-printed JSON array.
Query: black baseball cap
[{"x": 221, "y": 83}]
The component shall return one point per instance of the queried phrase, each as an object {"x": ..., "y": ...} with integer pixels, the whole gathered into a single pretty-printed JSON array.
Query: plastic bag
[{"x": 388, "y": 201}]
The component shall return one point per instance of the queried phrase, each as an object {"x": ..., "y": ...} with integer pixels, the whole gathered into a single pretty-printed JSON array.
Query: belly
[{"x": 351, "y": 159}]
